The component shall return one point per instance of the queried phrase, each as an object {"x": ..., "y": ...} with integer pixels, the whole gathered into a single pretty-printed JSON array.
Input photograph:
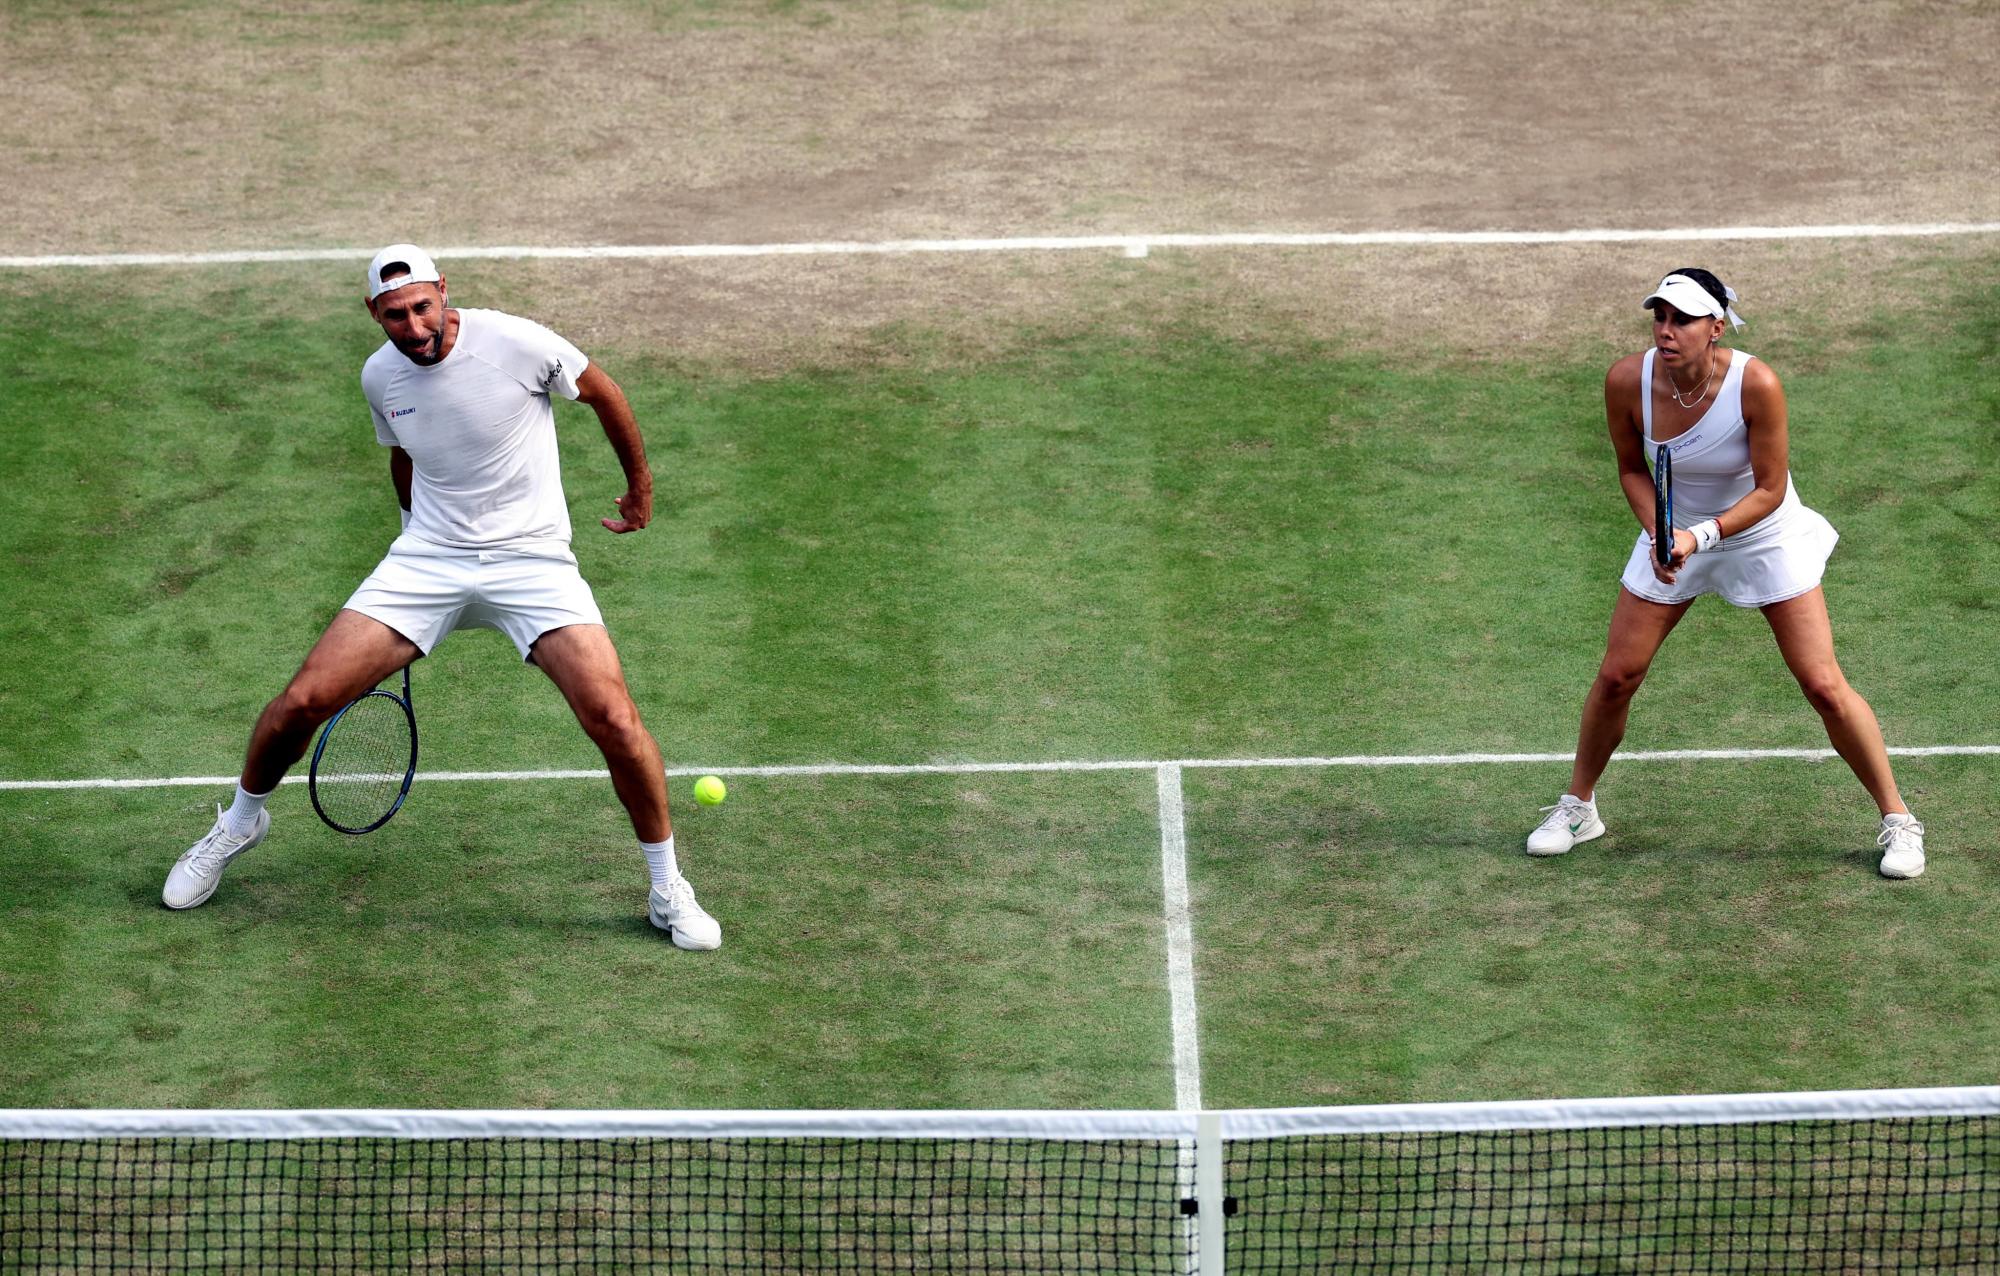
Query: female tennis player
[{"x": 1738, "y": 530}]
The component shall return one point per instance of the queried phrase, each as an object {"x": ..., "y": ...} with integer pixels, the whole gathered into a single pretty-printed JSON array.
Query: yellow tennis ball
[{"x": 709, "y": 790}]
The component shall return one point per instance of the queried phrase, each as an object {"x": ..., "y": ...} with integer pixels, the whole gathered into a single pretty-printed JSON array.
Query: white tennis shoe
[
  {"x": 675, "y": 911},
  {"x": 1902, "y": 843},
  {"x": 1570, "y": 821},
  {"x": 198, "y": 871}
]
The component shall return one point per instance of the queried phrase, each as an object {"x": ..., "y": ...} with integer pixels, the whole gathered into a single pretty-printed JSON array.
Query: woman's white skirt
[{"x": 1775, "y": 564}]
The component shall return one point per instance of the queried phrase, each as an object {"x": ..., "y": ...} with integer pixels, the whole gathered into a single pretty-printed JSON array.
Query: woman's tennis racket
[
  {"x": 366, "y": 758},
  {"x": 1663, "y": 505}
]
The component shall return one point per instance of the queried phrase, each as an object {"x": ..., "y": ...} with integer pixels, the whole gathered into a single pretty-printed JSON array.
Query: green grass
[
  {"x": 911, "y": 941},
  {"x": 1117, "y": 547},
  {"x": 1376, "y": 935}
]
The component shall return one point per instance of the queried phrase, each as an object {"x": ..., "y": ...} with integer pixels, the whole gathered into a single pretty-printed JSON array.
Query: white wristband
[
  {"x": 406, "y": 517},
  {"x": 1706, "y": 533}
]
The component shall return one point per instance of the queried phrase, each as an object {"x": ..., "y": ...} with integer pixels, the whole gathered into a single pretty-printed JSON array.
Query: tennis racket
[
  {"x": 366, "y": 758},
  {"x": 1663, "y": 505}
]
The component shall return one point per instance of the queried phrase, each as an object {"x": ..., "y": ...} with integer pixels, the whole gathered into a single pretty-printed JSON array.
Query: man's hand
[
  {"x": 596, "y": 388},
  {"x": 637, "y": 508}
]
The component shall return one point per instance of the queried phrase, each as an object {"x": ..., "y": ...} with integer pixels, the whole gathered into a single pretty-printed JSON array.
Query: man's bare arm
[{"x": 596, "y": 388}]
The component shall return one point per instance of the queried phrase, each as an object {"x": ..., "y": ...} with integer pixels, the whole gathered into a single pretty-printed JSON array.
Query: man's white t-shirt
[{"x": 480, "y": 429}]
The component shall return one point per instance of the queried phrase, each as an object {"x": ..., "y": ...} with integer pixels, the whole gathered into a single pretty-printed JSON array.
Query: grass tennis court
[{"x": 1152, "y": 545}]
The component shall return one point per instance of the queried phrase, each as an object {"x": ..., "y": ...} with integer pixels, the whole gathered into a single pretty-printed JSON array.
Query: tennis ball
[{"x": 709, "y": 790}]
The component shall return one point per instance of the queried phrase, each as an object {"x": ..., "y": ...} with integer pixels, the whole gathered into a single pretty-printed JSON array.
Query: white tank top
[{"x": 1712, "y": 458}]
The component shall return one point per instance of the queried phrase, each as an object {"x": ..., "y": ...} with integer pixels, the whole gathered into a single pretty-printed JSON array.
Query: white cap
[
  {"x": 422, "y": 270},
  {"x": 1690, "y": 298}
]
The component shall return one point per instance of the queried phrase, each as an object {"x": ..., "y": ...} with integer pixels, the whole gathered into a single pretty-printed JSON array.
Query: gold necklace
[{"x": 1674, "y": 388}]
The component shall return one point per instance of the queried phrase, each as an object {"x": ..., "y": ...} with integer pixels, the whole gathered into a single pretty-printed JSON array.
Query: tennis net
[{"x": 1903, "y": 1180}]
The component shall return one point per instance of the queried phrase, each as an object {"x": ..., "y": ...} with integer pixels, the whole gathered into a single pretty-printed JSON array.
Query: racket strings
[{"x": 359, "y": 776}]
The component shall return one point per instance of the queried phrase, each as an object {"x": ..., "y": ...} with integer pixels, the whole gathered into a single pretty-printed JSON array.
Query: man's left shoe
[
  {"x": 1902, "y": 843},
  {"x": 675, "y": 911},
  {"x": 198, "y": 871}
]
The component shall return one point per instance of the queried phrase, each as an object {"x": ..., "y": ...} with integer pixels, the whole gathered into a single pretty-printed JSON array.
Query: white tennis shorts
[
  {"x": 425, "y": 596},
  {"x": 1768, "y": 570}
]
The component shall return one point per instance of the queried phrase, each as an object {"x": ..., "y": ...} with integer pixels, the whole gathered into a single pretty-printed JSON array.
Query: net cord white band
[
  {"x": 1581, "y": 1114},
  {"x": 1062, "y": 1124},
  {"x": 553, "y": 1123}
]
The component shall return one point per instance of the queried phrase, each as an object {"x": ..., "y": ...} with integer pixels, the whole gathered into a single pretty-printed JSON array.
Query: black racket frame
[{"x": 409, "y": 772}]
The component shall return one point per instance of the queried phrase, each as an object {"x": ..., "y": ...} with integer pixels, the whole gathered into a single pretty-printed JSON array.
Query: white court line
[
  {"x": 1180, "y": 983},
  {"x": 983, "y": 768},
  {"x": 1131, "y": 245},
  {"x": 1180, "y": 941}
]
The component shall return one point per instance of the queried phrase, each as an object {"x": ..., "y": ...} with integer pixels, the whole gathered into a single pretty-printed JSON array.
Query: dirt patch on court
[
  {"x": 763, "y": 315},
  {"x": 337, "y": 123},
  {"x": 1806, "y": 303}
]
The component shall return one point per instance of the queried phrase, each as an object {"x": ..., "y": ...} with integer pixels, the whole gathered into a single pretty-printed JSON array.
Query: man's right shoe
[
  {"x": 675, "y": 911},
  {"x": 198, "y": 871},
  {"x": 1570, "y": 821}
]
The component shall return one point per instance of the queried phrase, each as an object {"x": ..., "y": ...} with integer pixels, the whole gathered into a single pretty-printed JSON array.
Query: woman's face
[{"x": 1682, "y": 338}]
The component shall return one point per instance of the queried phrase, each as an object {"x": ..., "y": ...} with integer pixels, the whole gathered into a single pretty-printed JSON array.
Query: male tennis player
[{"x": 462, "y": 400}]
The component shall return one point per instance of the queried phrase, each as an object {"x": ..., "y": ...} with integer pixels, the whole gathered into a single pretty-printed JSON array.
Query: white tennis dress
[{"x": 1782, "y": 556}]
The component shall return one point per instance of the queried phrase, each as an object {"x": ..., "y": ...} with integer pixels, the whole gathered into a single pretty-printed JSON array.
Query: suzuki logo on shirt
[{"x": 396, "y": 412}]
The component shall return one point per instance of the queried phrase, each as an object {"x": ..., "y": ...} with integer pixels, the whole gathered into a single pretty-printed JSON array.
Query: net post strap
[{"x": 1210, "y": 1215}]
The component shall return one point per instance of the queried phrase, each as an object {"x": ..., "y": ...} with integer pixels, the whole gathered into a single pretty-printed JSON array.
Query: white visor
[
  {"x": 421, "y": 269},
  {"x": 1690, "y": 298}
]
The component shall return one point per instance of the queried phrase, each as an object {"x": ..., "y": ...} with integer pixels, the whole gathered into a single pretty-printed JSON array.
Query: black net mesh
[
  {"x": 680, "y": 1205},
  {"x": 1914, "y": 1195}
]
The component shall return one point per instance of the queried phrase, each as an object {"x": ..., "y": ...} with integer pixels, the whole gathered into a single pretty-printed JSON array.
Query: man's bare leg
[
  {"x": 354, "y": 654},
  {"x": 584, "y": 665}
]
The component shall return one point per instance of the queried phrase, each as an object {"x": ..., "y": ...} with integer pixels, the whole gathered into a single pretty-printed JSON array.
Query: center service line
[
  {"x": 1180, "y": 940},
  {"x": 1180, "y": 991}
]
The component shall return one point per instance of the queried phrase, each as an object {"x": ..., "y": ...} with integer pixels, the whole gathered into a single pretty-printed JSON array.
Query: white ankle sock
[
  {"x": 660, "y": 861},
  {"x": 241, "y": 817}
]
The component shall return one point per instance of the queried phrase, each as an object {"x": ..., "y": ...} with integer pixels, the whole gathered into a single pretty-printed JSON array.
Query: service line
[
  {"x": 1134, "y": 245},
  {"x": 983, "y": 768}
]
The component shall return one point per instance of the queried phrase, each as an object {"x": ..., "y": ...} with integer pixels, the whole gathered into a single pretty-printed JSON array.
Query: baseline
[{"x": 1131, "y": 245}]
